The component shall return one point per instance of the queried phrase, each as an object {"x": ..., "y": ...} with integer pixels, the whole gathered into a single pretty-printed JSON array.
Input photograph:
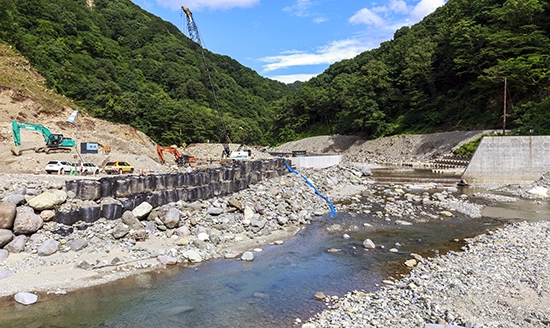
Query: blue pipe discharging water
[{"x": 332, "y": 211}]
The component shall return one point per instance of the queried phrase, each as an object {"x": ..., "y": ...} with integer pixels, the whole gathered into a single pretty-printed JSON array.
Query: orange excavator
[{"x": 180, "y": 159}]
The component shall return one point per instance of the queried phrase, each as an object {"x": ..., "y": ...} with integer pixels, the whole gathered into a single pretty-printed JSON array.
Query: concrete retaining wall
[
  {"x": 160, "y": 189},
  {"x": 317, "y": 162},
  {"x": 509, "y": 160}
]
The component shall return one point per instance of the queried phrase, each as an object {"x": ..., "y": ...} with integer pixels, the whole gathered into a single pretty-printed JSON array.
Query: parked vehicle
[
  {"x": 89, "y": 168},
  {"x": 59, "y": 167},
  {"x": 118, "y": 168}
]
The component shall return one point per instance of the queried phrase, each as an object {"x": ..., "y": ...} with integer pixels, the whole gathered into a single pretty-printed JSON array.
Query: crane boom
[{"x": 194, "y": 35}]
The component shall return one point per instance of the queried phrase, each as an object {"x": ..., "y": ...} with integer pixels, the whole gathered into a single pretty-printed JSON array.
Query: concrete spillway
[{"x": 509, "y": 160}]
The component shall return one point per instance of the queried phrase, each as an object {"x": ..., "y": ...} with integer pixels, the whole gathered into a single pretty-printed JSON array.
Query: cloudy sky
[{"x": 289, "y": 40}]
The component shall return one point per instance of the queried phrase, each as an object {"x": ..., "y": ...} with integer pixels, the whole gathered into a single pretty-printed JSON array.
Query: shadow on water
[{"x": 271, "y": 291}]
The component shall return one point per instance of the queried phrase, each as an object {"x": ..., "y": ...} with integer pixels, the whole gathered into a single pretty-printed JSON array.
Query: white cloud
[
  {"x": 320, "y": 20},
  {"x": 293, "y": 77},
  {"x": 399, "y": 6},
  {"x": 425, "y": 7},
  {"x": 367, "y": 17},
  {"x": 329, "y": 54},
  {"x": 210, "y": 4},
  {"x": 300, "y": 8}
]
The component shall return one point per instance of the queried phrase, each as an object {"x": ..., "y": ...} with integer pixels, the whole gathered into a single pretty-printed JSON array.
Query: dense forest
[
  {"x": 123, "y": 64},
  {"x": 447, "y": 72}
]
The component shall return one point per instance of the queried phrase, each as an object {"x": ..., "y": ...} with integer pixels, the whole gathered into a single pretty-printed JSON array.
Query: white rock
[{"x": 25, "y": 298}]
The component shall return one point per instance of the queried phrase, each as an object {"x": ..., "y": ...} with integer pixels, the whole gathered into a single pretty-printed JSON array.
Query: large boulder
[
  {"x": 120, "y": 230},
  {"x": 129, "y": 219},
  {"x": 5, "y": 237},
  {"x": 142, "y": 210},
  {"x": 170, "y": 216},
  {"x": 26, "y": 221},
  {"x": 7, "y": 215},
  {"x": 48, "y": 200}
]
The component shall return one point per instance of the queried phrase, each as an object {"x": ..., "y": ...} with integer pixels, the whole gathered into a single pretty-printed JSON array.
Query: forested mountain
[
  {"x": 446, "y": 72},
  {"x": 123, "y": 64}
]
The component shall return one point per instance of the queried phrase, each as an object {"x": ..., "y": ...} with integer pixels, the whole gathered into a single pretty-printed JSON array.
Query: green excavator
[{"x": 54, "y": 142}]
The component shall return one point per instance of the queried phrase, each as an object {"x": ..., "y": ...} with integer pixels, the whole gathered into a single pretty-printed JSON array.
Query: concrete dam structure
[{"x": 514, "y": 160}]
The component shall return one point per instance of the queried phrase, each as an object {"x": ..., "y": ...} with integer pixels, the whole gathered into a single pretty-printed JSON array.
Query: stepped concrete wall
[
  {"x": 521, "y": 160},
  {"x": 159, "y": 189}
]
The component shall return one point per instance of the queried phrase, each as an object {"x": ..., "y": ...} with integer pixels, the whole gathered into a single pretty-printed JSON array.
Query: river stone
[
  {"x": 17, "y": 245},
  {"x": 263, "y": 296},
  {"x": 7, "y": 215},
  {"x": 320, "y": 296},
  {"x": 411, "y": 263},
  {"x": 77, "y": 244},
  {"x": 539, "y": 191},
  {"x": 4, "y": 254},
  {"x": 231, "y": 254},
  {"x": 25, "y": 298},
  {"x": 235, "y": 203},
  {"x": 48, "y": 247},
  {"x": 183, "y": 241},
  {"x": 248, "y": 213},
  {"x": 47, "y": 215},
  {"x": 282, "y": 220},
  {"x": 215, "y": 211},
  {"x": 48, "y": 200},
  {"x": 129, "y": 219},
  {"x": 258, "y": 223},
  {"x": 167, "y": 260},
  {"x": 169, "y": 216},
  {"x": 142, "y": 210},
  {"x": 26, "y": 221},
  {"x": 203, "y": 236},
  {"x": 140, "y": 234},
  {"x": 183, "y": 231},
  {"x": 5, "y": 237},
  {"x": 247, "y": 256},
  {"x": 369, "y": 244},
  {"x": 193, "y": 256},
  {"x": 120, "y": 230},
  {"x": 16, "y": 199}
]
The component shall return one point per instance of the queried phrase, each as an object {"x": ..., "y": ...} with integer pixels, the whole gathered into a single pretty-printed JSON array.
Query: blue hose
[{"x": 332, "y": 210}]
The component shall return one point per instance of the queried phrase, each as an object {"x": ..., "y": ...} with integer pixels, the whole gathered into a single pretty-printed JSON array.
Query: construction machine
[
  {"x": 54, "y": 142},
  {"x": 180, "y": 159},
  {"x": 224, "y": 135}
]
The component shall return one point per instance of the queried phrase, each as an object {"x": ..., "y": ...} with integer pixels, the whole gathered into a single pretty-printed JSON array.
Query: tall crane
[{"x": 194, "y": 35}]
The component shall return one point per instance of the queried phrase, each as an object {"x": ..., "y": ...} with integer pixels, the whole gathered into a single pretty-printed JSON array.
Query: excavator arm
[{"x": 179, "y": 158}]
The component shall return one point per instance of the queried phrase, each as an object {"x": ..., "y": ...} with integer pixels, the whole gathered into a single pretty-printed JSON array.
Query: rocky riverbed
[{"x": 507, "y": 267}]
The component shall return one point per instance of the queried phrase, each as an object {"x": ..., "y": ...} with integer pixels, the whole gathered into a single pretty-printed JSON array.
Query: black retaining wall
[{"x": 160, "y": 189}]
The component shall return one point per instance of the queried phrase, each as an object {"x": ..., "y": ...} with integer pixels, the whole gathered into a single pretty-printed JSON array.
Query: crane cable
[{"x": 195, "y": 36}]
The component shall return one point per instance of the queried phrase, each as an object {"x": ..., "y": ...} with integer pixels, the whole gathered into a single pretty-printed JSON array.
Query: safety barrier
[{"x": 160, "y": 189}]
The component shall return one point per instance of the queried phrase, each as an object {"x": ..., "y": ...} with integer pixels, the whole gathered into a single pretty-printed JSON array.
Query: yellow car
[{"x": 118, "y": 168}]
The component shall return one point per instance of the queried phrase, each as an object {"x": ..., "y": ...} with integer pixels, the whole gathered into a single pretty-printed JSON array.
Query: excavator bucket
[{"x": 15, "y": 150}]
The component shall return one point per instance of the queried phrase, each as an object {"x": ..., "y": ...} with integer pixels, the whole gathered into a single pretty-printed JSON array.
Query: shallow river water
[{"x": 271, "y": 291}]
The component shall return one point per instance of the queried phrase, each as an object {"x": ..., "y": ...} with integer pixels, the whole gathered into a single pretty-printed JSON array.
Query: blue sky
[{"x": 289, "y": 40}]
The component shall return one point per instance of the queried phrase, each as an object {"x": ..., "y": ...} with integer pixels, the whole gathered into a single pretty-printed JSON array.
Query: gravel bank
[{"x": 499, "y": 280}]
